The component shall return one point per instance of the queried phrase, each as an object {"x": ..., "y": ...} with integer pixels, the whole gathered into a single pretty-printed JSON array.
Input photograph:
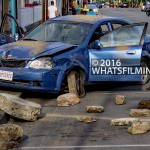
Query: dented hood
[{"x": 32, "y": 49}]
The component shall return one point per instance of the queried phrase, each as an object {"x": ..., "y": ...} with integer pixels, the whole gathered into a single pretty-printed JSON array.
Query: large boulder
[
  {"x": 19, "y": 108},
  {"x": 139, "y": 128},
  {"x": 10, "y": 136},
  {"x": 68, "y": 99}
]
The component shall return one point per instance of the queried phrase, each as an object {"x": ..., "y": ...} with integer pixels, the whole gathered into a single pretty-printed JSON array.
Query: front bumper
[{"x": 34, "y": 79}]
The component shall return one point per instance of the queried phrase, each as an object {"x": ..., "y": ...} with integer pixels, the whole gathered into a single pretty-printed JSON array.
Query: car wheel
[
  {"x": 76, "y": 83},
  {"x": 144, "y": 77}
]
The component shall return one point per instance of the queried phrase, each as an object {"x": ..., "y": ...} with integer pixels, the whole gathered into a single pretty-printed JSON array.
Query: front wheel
[{"x": 76, "y": 83}]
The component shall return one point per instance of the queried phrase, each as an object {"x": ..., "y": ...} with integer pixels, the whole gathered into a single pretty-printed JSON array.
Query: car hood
[{"x": 32, "y": 49}]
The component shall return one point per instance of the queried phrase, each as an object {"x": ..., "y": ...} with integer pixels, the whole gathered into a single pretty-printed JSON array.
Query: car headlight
[{"x": 41, "y": 63}]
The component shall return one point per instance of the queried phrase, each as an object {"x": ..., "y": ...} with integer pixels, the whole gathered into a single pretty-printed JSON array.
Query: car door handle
[{"x": 131, "y": 52}]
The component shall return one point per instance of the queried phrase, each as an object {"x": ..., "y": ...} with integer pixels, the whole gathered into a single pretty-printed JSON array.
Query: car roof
[{"x": 89, "y": 18}]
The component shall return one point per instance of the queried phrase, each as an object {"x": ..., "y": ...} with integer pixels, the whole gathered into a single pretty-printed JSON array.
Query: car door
[
  {"x": 120, "y": 48},
  {"x": 5, "y": 35}
]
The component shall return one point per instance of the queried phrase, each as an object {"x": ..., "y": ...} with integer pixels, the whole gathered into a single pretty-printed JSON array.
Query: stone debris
[
  {"x": 139, "y": 112},
  {"x": 95, "y": 109},
  {"x": 123, "y": 121},
  {"x": 145, "y": 104},
  {"x": 120, "y": 100},
  {"x": 10, "y": 136},
  {"x": 86, "y": 119},
  {"x": 68, "y": 99},
  {"x": 139, "y": 128},
  {"x": 19, "y": 108}
]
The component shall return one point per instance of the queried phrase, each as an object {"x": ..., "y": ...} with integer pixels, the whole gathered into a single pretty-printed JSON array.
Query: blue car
[{"x": 70, "y": 52}]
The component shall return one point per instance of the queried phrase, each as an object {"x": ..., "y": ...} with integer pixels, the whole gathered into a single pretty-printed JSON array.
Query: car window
[
  {"x": 127, "y": 35},
  {"x": 100, "y": 31},
  {"x": 116, "y": 25}
]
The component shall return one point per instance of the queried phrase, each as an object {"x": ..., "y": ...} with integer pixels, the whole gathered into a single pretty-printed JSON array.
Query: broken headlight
[{"x": 41, "y": 63}]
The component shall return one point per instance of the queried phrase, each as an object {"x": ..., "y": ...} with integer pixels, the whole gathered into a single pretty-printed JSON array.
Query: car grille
[{"x": 13, "y": 63}]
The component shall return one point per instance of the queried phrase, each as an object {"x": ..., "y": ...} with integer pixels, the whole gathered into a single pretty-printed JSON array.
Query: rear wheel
[
  {"x": 76, "y": 83},
  {"x": 144, "y": 77}
]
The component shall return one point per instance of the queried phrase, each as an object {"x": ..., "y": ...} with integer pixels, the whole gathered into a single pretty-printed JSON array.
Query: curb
[{"x": 3, "y": 118}]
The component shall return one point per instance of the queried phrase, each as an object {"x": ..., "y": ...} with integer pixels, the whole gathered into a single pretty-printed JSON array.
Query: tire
[
  {"x": 76, "y": 83},
  {"x": 144, "y": 78}
]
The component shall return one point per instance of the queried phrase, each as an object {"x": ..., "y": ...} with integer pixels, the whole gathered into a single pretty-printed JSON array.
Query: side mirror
[
  {"x": 16, "y": 36},
  {"x": 96, "y": 45}
]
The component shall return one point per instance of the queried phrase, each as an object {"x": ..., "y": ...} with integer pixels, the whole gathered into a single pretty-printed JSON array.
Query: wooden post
[{"x": 44, "y": 10}]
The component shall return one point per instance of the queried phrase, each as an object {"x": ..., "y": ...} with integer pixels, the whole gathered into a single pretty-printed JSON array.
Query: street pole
[{"x": 12, "y": 4}]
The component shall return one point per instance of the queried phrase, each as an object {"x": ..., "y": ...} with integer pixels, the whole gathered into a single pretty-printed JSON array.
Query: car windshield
[{"x": 60, "y": 31}]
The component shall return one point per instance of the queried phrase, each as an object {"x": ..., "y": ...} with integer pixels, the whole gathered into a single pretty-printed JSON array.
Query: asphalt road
[
  {"x": 133, "y": 14},
  {"x": 58, "y": 127}
]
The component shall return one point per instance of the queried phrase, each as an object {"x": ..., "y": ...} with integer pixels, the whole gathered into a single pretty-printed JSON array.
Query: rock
[
  {"x": 68, "y": 99},
  {"x": 10, "y": 136},
  {"x": 3, "y": 118},
  {"x": 123, "y": 121},
  {"x": 19, "y": 108},
  {"x": 120, "y": 100},
  {"x": 8, "y": 145},
  {"x": 11, "y": 132},
  {"x": 86, "y": 119},
  {"x": 145, "y": 104},
  {"x": 139, "y": 112},
  {"x": 139, "y": 128},
  {"x": 95, "y": 109}
]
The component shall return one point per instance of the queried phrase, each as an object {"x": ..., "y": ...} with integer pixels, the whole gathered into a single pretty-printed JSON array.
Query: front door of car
[{"x": 113, "y": 54}]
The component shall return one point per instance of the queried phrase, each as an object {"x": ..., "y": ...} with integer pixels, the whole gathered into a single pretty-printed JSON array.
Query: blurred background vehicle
[
  {"x": 125, "y": 5},
  {"x": 143, "y": 7},
  {"x": 148, "y": 9},
  {"x": 92, "y": 8},
  {"x": 111, "y": 4}
]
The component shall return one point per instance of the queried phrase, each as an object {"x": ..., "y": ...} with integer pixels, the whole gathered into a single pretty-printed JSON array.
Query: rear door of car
[{"x": 120, "y": 48}]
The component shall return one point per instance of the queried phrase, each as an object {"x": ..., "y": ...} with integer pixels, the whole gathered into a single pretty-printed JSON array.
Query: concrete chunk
[
  {"x": 19, "y": 108},
  {"x": 95, "y": 109},
  {"x": 86, "y": 119},
  {"x": 10, "y": 136},
  {"x": 145, "y": 104},
  {"x": 120, "y": 100},
  {"x": 123, "y": 121},
  {"x": 139, "y": 128},
  {"x": 68, "y": 99},
  {"x": 139, "y": 112}
]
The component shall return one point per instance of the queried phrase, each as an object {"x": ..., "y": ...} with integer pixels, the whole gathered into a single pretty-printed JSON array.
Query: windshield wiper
[{"x": 29, "y": 40}]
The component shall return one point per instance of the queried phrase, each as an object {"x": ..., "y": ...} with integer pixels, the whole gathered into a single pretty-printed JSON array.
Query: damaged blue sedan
[{"x": 68, "y": 52}]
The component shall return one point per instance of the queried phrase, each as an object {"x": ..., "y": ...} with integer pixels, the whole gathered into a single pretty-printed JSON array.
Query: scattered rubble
[
  {"x": 10, "y": 136},
  {"x": 19, "y": 108},
  {"x": 68, "y": 99},
  {"x": 139, "y": 128},
  {"x": 123, "y": 121},
  {"x": 120, "y": 100},
  {"x": 139, "y": 112},
  {"x": 95, "y": 109},
  {"x": 86, "y": 119},
  {"x": 145, "y": 104}
]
